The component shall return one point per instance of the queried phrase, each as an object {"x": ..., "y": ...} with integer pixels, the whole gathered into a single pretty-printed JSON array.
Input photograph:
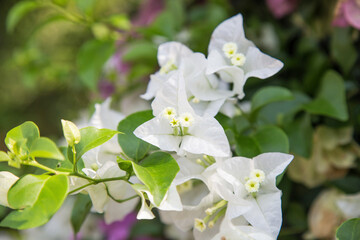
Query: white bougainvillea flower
[
  {"x": 200, "y": 135},
  {"x": 7, "y": 179},
  {"x": 235, "y": 58},
  {"x": 252, "y": 183},
  {"x": 349, "y": 205},
  {"x": 171, "y": 201},
  {"x": 229, "y": 231},
  {"x": 170, "y": 55},
  {"x": 100, "y": 165}
]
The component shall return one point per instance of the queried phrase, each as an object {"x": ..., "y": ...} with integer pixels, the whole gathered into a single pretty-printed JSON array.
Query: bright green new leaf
[
  {"x": 37, "y": 198},
  {"x": 268, "y": 95},
  {"x": 18, "y": 12},
  {"x": 45, "y": 148},
  {"x": 4, "y": 157},
  {"x": 271, "y": 139},
  {"x": 91, "y": 137},
  {"x": 331, "y": 99},
  {"x": 27, "y": 132},
  {"x": 157, "y": 172},
  {"x": 91, "y": 59},
  {"x": 80, "y": 210},
  {"x": 132, "y": 146},
  {"x": 349, "y": 230}
]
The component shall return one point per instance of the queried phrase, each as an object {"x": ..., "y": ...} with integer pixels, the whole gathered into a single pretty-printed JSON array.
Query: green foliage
[
  {"x": 349, "y": 230},
  {"x": 92, "y": 137},
  {"x": 18, "y": 12},
  {"x": 271, "y": 139},
  {"x": 300, "y": 133},
  {"x": 80, "y": 211},
  {"x": 27, "y": 132},
  {"x": 4, "y": 157},
  {"x": 140, "y": 51},
  {"x": 45, "y": 148},
  {"x": 91, "y": 59},
  {"x": 132, "y": 146},
  {"x": 342, "y": 49},
  {"x": 330, "y": 100},
  {"x": 157, "y": 172},
  {"x": 36, "y": 199},
  {"x": 86, "y": 7},
  {"x": 268, "y": 95}
]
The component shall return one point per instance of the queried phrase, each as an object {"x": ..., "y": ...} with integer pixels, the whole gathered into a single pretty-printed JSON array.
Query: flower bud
[{"x": 71, "y": 132}]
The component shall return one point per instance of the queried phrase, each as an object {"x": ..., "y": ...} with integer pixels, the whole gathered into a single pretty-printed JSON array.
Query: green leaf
[
  {"x": 45, "y": 148},
  {"x": 157, "y": 172},
  {"x": 27, "y": 132},
  {"x": 91, "y": 137},
  {"x": 271, "y": 139},
  {"x": 268, "y": 95},
  {"x": 67, "y": 164},
  {"x": 349, "y": 184},
  {"x": 331, "y": 99},
  {"x": 300, "y": 133},
  {"x": 80, "y": 211},
  {"x": 18, "y": 12},
  {"x": 349, "y": 230},
  {"x": 91, "y": 59},
  {"x": 132, "y": 146},
  {"x": 246, "y": 147},
  {"x": 86, "y": 6},
  {"x": 140, "y": 51},
  {"x": 4, "y": 157},
  {"x": 37, "y": 198},
  {"x": 342, "y": 48}
]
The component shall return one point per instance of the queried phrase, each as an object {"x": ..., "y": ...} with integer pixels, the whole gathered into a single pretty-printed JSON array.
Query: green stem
[
  {"x": 119, "y": 200},
  {"x": 79, "y": 188},
  {"x": 95, "y": 181},
  {"x": 38, "y": 165}
]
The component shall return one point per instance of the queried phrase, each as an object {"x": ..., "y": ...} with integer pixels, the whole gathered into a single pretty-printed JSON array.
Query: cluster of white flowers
[
  {"x": 220, "y": 197},
  {"x": 217, "y": 195}
]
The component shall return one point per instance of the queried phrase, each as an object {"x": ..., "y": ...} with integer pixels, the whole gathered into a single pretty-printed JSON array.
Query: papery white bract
[
  {"x": 170, "y": 56},
  {"x": 247, "y": 61},
  {"x": 350, "y": 205},
  {"x": 7, "y": 179},
  {"x": 263, "y": 207},
  {"x": 203, "y": 136}
]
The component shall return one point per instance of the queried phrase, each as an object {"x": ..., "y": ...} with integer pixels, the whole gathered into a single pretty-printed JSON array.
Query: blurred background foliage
[{"x": 58, "y": 57}]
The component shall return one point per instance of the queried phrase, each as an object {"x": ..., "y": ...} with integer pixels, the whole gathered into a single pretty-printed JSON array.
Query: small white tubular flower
[
  {"x": 199, "y": 224},
  {"x": 252, "y": 185},
  {"x": 258, "y": 175},
  {"x": 238, "y": 59},
  {"x": 230, "y": 49},
  {"x": 174, "y": 122},
  {"x": 168, "y": 67},
  {"x": 186, "y": 119},
  {"x": 169, "y": 113}
]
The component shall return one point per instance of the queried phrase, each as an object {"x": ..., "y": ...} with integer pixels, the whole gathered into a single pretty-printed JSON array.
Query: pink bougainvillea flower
[
  {"x": 347, "y": 12},
  {"x": 281, "y": 8}
]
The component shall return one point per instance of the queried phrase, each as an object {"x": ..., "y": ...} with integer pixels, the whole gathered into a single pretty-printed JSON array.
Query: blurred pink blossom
[
  {"x": 149, "y": 9},
  {"x": 347, "y": 12},
  {"x": 281, "y": 8}
]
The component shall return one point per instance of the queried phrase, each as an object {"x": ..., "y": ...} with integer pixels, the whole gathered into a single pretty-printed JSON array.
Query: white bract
[
  {"x": 170, "y": 56},
  {"x": 7, "y": 179},
  {"x": 250, "y": 189},
  {"x": 171, "y": 201},
  {"x": 176, "y": 127},
  {"x": 235, "y": 58},
  {"x": 229, "y": 231}
]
